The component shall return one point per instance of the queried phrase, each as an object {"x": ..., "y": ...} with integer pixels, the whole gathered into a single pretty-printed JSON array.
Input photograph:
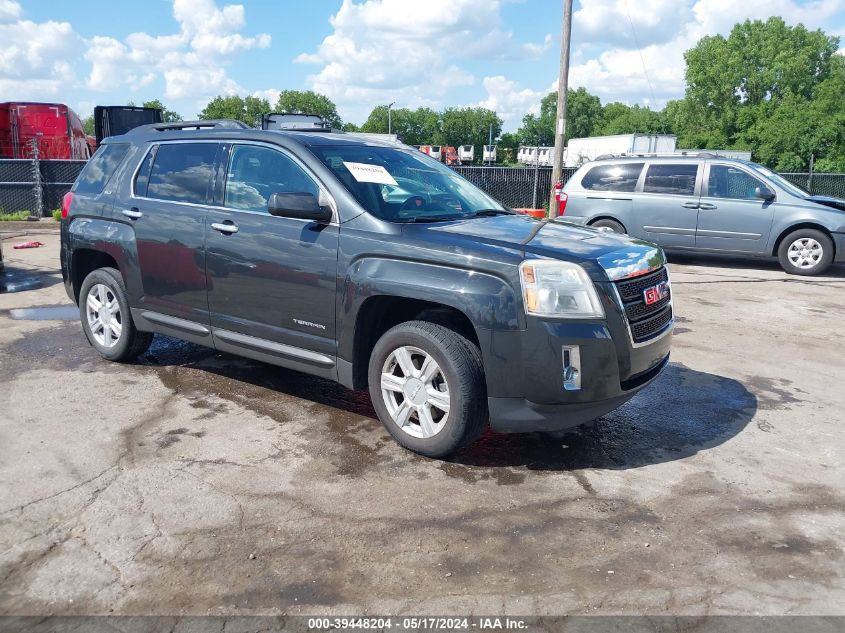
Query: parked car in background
[
  {"x": 711, "y": 204},
  {"x": 54, "y": 126},
  {"x": 455, "y": 312}
]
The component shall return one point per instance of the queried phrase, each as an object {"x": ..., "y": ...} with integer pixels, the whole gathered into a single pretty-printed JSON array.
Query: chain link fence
[
  {"x": 34, "y": 185},
  {"x": 37, "y": 185}
]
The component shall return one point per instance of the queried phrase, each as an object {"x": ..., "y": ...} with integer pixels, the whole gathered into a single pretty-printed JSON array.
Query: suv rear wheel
[
  {"x": 427, "y": 386},
  {"x": 106, "y": 319},
  {"x": 607, "y": 223},
  {"x": 805, "y": 252}
]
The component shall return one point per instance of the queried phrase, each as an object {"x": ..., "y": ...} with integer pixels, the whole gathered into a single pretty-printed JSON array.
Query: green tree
[
  {"x": 768, "y": 87},
  {"x": 469, "y": 126},
  {"x": 88, "y": 125},
  {"x": 415, "y": 127},
  {"x": 249, "y": 109},
  {"x": 309, "y": 102},
  {"x": 168, "y": 115},
  {"x": 618, "y": 118},
  {"x": 583, "y": 118}
]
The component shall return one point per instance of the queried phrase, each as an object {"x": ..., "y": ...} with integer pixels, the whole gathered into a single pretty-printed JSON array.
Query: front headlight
[{"x": 552, "y": 288}]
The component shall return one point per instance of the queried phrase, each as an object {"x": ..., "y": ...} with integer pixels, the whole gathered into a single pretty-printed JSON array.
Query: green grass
[
  {"x": 15, "y": 216},
  {"x": 57, "y": 214}
]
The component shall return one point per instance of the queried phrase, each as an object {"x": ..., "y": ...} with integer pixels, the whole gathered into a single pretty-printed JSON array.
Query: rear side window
[
  {"x": 622, "y": 177},
  {"x": 676, "y": 179},
  {"x": 100, "y": 168},
  {"x": 182, "y": 172}
]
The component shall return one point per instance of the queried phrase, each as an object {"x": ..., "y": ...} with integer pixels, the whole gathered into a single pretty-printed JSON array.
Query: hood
[
  {"x": 600, "y": 252},
  {"x": 833, "y": 203}
]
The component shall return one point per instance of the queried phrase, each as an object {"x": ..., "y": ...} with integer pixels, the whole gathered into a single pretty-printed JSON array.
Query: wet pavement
[{"x": 191, "y": 482}]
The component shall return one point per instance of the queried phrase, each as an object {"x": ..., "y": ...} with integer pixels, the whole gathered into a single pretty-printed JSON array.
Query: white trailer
[
  {"x": 739, "y": 154},
  {"x": 466, "y": 153},
  {"x": 489, "y": 154},
  {"x": 581, "y": 150}
]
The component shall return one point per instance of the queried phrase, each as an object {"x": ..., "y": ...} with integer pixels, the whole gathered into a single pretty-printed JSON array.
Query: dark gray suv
[
  {"x": 367, "y": 263},
  {"x": 711, "y": 204}
]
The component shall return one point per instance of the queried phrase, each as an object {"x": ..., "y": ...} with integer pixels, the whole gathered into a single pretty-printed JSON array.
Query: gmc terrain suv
[
  {"x": 368, "y": 263},
  {"x": 711, "y": 204}
]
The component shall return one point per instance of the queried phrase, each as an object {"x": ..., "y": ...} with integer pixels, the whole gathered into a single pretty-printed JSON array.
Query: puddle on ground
[
  {"x": 45, "y": 313},
  {"x": 12, "y": 283}
]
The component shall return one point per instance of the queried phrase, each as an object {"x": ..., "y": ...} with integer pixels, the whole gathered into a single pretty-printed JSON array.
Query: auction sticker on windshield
[{"x": 363, "y": 172}]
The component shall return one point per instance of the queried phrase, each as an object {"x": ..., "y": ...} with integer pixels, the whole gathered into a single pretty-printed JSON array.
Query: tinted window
[
  {"x": 100, "y": 168},
  {"x": 182, "y": 172},
  {"x": 255, "y": 173},
  {"x": 622, "y": 177},
  {"x": 676, "y": 179},
  {"x": 730, "y": 182},
  {"x": 143, "y": 176}
]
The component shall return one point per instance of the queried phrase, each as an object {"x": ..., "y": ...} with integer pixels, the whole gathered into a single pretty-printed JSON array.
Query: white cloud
[
  {"x": 33, "y": 56},
  {"x": 510, "y": 101},
  {"x": 192, "y": 62},
  {"x": 617, "y": 72},
  {"x": 610, "y": 21},
  {"x": 10, "y": 11},
  {"x": 386, "y": 50}
]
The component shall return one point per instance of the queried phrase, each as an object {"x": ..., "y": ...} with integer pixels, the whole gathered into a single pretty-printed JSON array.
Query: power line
[{"x": 640, "y": 51}]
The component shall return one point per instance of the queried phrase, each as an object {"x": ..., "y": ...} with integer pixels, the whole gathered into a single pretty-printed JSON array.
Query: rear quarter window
[
  {"x": 621, "y": 177},
  {"x": 678, "y": 179},
  {"x": 99, "y": 170}
]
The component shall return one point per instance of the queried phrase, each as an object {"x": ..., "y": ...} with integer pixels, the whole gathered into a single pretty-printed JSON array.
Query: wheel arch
[
  {"x": 607, "y": 216},
  {"x": 797, "y": 227}
]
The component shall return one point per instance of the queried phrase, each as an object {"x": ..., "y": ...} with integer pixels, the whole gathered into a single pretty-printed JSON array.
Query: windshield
[
  {"x": 404, "y": 185},
  {"x": 792, "y": 188}
]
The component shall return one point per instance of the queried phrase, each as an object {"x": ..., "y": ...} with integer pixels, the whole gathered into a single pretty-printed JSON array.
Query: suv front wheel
[
  {"x": 805, "y": 252},
  {"x": 427, "y": 386},
  {"x": 106, "y": 319}
]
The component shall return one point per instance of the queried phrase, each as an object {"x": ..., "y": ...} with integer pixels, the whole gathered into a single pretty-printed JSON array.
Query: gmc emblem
[{"x": 656, "y": 293}]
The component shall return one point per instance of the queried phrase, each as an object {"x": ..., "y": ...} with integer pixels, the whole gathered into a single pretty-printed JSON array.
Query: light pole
[
  {"x": 389, "y": 122},
  {"x": 562, "y": 94}
]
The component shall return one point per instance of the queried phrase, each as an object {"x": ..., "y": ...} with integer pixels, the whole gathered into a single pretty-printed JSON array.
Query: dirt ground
[{"x": 196, "y": 483}]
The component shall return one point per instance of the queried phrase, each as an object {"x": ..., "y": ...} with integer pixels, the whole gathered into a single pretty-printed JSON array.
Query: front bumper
[{"x": 526, "y": 382}]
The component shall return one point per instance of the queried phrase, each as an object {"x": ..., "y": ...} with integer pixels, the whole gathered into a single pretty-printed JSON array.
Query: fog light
[{"x": 572, "y": 367}]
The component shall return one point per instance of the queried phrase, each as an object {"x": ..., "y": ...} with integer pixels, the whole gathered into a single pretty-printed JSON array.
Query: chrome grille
[{"x": 646, "y": 321}]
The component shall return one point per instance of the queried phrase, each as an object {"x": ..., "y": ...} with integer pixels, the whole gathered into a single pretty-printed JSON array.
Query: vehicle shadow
[
  {"x": 681, "y": 413},
  {"x": 747, "y": 263}
]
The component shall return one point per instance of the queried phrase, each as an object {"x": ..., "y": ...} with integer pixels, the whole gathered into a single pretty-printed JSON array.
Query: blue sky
[{"x": 501, "y": 54}]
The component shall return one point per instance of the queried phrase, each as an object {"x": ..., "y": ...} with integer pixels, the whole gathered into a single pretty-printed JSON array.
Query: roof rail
[
  {"x": 658, "y": 155},
  {"x": 192, "y": 125}
]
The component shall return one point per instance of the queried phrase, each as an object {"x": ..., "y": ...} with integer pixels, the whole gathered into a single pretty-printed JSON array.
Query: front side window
[
  {"x": 403, "y": 185},
  {"x": 622, "y": 177},
  {"x": 729, "y": 182},
  {"x": 255, "y": 173},
  {"x": 677, "y": 179},
  {"x": 100, "y": 168},
  {"x": 182, "y": 172}
]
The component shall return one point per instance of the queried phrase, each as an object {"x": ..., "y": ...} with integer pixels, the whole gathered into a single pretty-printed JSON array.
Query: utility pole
[
  {"x": 562, "y": 93},
  {"x": 389, "y": 122}
]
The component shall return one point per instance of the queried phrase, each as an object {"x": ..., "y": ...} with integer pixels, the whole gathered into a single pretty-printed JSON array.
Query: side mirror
[
  {"x": 303, "y": 206},
  {"x": 764, "y": 193}
]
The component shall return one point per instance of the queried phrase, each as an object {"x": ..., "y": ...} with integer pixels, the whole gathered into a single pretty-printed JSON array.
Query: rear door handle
[
  {"x": 132, "y": 213},
  {"x": 707, "y": 206},
  {"x": 690, "y": 205},
  {"x": 225, "y": 228}
]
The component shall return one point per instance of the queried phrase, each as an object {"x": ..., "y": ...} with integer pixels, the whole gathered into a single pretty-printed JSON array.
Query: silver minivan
[{"x": 710, "y": 204}]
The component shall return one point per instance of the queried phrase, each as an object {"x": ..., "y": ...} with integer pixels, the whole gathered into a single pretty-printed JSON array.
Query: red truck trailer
[{"x": 57, "y": 128}]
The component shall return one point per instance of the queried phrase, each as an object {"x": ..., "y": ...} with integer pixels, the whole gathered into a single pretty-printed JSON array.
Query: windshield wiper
[{"x": 487, "y": 213}]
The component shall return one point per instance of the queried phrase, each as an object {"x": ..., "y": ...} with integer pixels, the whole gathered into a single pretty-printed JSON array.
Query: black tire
[
  {"x": 131, "y": 343},
  {"x": 461, "y": 367},
  {"x": 607, "y": 223},
  {"x": 810, "y": 236}
]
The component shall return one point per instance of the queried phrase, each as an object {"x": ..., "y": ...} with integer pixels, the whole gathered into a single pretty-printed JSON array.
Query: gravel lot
[{"x": 197, "y": 483}]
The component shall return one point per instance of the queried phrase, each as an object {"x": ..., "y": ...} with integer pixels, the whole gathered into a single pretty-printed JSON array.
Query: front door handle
[
  {"x": 227, "y": 228},
  {"x": 690, "y": 205},
  {"x": 132, "y": 213},
  {"x": 707, "y": 206}
]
